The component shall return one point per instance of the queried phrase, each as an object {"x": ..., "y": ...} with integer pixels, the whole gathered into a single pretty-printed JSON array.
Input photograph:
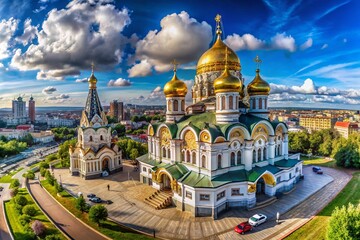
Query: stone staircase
[{"x": 159, "y": 199}]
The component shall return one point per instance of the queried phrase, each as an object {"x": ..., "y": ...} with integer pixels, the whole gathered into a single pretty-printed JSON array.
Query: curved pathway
[
  {"x": 62, "y": 218},
  {"x": 4, "y": 231}
]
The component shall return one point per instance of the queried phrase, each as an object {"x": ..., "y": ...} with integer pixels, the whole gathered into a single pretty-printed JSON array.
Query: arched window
[
  {"x": 80, "y": 137},
  {"x": 169, "y": 105},
  {"x": 193, "y": 157},
  {"x": 254, "y": 156},
  {"x": 265, "y": 103},
  {"x": 222, "y": 102},
  {"x": 168, "y": 153},
  {"x": 259, "y": 155},
  {"x": 90, "y": 139},
  {"x": 188, "y": 156},
  {"x": 219, "y": 162},
  {"x": 203, "y": 161},
  {"x": 182, "y": 156},
  {"x": 238, "y": 158},
  {"x": 276, "y": 151},
  {"x": 231, "y": 104},
  {"x": 265, "y": 153},
  {"x": 260, "y": 103},
  {"x": 182, "y": 105},
  {"x": 254, "y": 103},
  {"x": 232, "y": 159},
  {"x": 163, "y": 152},
  {"x": 176, "y": 105},
  {"x": 101, "y": 138}
]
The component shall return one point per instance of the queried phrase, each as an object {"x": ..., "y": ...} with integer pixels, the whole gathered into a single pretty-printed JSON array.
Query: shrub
[
  {"x": 24, "y": 219},
  {"x": 42, "y": 172},
  {"x": 21, "y": 200},
  {"x": 81, "y": 204},
  {"x": 30, "y": 175},
  {"x": 98, "y": 213},
  {"x": 50, "y": 178},
  {"x": 18, "y": 208},
  {"x": 38, "y": 228},
  {"x": 52, "y": 237},
  {"x": 15, "y": 183},
  {"x": 14, "y": 192},
  {"x": 29, "y": 210},
  {"x": 58, "y": 186},
  {"x": 44, "y": 165}
]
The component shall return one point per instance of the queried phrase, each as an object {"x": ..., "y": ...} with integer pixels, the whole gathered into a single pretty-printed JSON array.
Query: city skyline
[{"x": 309, "y": 50}]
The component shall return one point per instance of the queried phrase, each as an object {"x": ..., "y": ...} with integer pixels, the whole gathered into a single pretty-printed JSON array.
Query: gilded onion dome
[
  {"x": 92, "y": 79},
  {"x": 175, "y": 87},
  {"x": 227, "y": 82},
  {"x": 213, "y": 59},
  {"x": 258, "y": 86}
]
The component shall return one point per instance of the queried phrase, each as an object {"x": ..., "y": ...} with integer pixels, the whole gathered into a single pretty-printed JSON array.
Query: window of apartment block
[
  {"x": 235, "y": 192},
  {"x": 204, "y": 197},
  {"x": 220, "y": 195},
  {"x": 188, "y": 194},
  {"x": 144, "y": 169}
]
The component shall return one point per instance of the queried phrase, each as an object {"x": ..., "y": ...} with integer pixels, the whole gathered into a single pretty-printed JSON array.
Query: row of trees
[
  {"x": 132, "y": 149},
  {"x": 12, "y": 147},
  {"x": 63, "y": 133},
  {"x": 344, "y": 223}
]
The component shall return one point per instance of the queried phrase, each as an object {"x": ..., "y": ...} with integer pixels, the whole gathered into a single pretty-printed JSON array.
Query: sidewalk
[{"x": 4, "y": 232}]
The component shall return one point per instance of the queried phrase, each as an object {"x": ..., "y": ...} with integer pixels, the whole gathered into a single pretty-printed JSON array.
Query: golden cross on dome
[
  {"x": 175, "y": 64},
  {"x": 92, "y": 67},
  {"x": 258, "y": 62},
  {"x": 218, "y": 20}
]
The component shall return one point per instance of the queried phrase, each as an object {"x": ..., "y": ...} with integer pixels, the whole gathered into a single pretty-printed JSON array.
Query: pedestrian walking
[
  {"x": 277, "y": 217},
  {"x": 108, "y": 186}
]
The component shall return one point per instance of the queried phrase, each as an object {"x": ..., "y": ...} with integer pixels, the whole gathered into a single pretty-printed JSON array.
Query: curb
[
  {"x": 6, "y": 219},
  {"x": 77, "y": 217},
  {"x": 45, "y": 213}
]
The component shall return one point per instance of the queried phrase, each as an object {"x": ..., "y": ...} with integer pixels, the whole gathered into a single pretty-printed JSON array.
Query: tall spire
[
  {"x": 258, "y": 62},
  {"x": 175, "y": 64},
  {"x": 218, "y": 23}
]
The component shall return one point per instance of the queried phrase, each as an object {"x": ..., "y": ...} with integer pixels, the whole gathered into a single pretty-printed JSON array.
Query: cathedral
[
  {"x": 221, "y": 151},
  {"x": 96, "y": 153}
]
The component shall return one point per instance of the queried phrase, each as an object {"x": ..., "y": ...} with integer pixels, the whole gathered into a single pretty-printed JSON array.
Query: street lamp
[{"x": 60, "y": 179}]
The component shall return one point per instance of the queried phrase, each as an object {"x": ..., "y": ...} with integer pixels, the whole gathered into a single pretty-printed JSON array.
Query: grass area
[
  {"x": 326, "y": 162},
  {"x": 109, "y": 228},
  {"x": 7, "y": 178},
  {"x": 25, "y": 232},
  {"x": 316, "y": 228}
]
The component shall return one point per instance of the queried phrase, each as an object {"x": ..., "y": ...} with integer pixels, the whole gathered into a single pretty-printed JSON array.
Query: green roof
[
  {"x": 286, "y": 163},
  {"x": 256, "y": 172},
  {"x": 146, "y": 159},
  {"x": 177, "y": 170}
]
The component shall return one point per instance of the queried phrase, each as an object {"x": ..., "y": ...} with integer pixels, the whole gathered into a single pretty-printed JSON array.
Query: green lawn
[
  {"x": 316, "y": 228},
  {"x": 319, "y": 161},
  {"x": 109, "y": 228},
  {"x": 7, "y": 177},
  {"x": 21, "y": 232}
]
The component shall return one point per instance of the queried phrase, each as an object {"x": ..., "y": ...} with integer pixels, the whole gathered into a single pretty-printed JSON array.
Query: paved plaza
[{"x": 128, "y": 208}]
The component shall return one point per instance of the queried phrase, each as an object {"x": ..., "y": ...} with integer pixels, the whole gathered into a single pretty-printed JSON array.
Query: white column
[
  {"x": 271, "y": 149},
  {"x": 286, "y": 145},
  {"x": 248, "y": 154}
]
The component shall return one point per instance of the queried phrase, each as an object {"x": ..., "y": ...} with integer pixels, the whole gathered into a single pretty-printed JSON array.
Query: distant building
[
  {"x": 19, "y": 108},
  {"x": 117, "y": 110},
  {"x": 60, "y": 122},
  {"x": 32, "y": 110},
  {"x": 17, "y": 133},
  {"x": 317, "y": 123},
  {"x": 43, "y": 136},
  {"x": 346, "y": 128}
]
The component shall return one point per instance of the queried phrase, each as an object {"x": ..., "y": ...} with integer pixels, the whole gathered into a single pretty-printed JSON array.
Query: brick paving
[{"x": 297, "y": 207}]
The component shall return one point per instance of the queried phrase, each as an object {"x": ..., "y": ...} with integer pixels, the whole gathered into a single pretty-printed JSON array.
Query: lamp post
[{"x": 60, "y": 180}]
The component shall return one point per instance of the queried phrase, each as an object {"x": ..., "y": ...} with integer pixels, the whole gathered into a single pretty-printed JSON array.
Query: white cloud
[
  {"x": 120, "y": 82},
  {"x": 49, "y": 90},
  {"x": 7, "y": 30},
  {"x": 58, "y": 97},
  {"x": 279, "y": 97},
  {"x": 82, "y": 33},
  {"x": 281, "y": 41},
  {"x": 324, "y": 46},
  {"x": 29, "y": 34},
  {"x": 246, "y": 41},
  {"x": 141, "y": 69},
  {"x": 307, "y": 44},
  {"x": 307, "y": 88},
  {"x": 81, "y": 80},
  {"x": 180, "y": 37},
  {"x": 1, "y": 65}
]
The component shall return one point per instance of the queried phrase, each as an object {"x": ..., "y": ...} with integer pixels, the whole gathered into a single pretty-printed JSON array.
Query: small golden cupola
[
  {"x": 175, "y": 87},
  {"x": 258, "y": 86},
  {"x": 92, "y": 79},
  {"x": 213, "y": 59},
  {"x": 227, "y": 82}
]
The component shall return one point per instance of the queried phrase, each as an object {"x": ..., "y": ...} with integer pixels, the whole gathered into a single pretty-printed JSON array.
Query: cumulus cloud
[
  {"x": 282, "y": 41},
  {"x": 141, "y": 69},
  {"x": 73, "y": 38},
  {"x": 29, "y": 34},
  {"x": 58, "y": 97},
  {"x": 307, "y": 44},
  {"x": 7, "y": 30},
  {"x": 183, "y": 38},
  {"x": 244, "y": 42},
  {"x": 1, "y": 65},
  {"x": 81, "y": 80},
  {"x": 286, "y": 97},
  {"x": 49, "y": 90},
  {"x": 120, "y": 82},
  {"x": 308, "y": 87}
]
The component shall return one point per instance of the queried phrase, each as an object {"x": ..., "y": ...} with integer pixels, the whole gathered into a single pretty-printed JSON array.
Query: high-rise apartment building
[
  {"x": 117, "y": 110},
  {"x": 317, "y": 123},
  {"x": 32, "y": 109},
  {"x": 19, "y": 108}
]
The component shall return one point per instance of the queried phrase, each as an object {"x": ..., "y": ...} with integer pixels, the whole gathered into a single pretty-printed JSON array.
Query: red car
[{"x": 243, "y": 228}]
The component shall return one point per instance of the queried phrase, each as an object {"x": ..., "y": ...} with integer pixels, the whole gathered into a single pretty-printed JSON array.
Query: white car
[{"x": 257, "y": 219}]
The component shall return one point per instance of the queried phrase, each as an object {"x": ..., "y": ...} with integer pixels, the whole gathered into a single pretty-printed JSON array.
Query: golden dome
[
  {"x": 175, "y": 87},
  {"x": 258, "y": 86},
  {"x": 214, "y": 58},
  {"x": 227, "y": 82},
  {"x": 92, "y": 79}
]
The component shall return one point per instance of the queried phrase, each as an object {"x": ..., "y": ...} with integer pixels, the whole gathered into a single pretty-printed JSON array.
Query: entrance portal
[
  {"x": 166, "y": 182},
  {"x": 105, "y": 165}
]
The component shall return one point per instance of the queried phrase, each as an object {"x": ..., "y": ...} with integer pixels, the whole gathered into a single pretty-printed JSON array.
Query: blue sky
[{"x": 310, "y": 49}]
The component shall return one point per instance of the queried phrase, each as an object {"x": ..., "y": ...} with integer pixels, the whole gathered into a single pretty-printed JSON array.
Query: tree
[
  {"x": 58, "y": 186},
  {"x": 63, "y": 152},
  {"x": 15, "y": 183},
  {"x": 29, "y": 210},
  {"x": 30, "y": 175},
  {"x": 98, "y": 213},
  {"x": 111, "y": 119},
  {"x": 24, "y": 219},
  {"x": 14, "y": 192},
  {"x": 43, "y": 164},
  {"x": 344, "y": 223},
  {"x": 134, "y": 154},
  {"x": 53, "y": 237},
  {"x": 38, "y": 228},
  {"x": 50, "y": 178},
  {"x": 43, "y": 172},
  {"x": 120, "y": 129},
  {"x": 81, "y": 204},
  {"x": 21, "y": 200}
]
